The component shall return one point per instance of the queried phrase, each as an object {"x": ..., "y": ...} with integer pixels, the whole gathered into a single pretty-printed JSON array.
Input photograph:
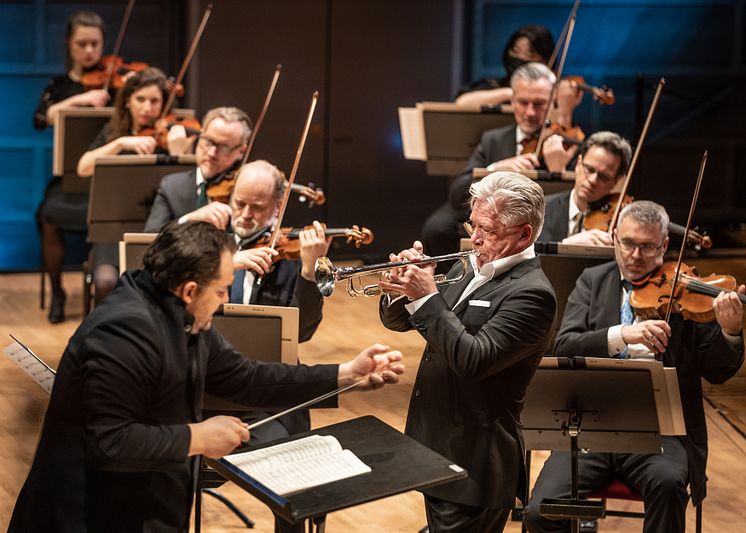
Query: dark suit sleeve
[
  {"x": 310, "y": 303},
  {"x": 394, "y": 316},
  {"x": 518, "y": 329},
  {"x": 161, "y": 212},
  {"x": 555, "y": 218},
  {"x": 122, "y": 367},
  {"x": 718, "y": 360},
  {"x": 575, "y": 337},
  {"x": 233, "y": 376}
]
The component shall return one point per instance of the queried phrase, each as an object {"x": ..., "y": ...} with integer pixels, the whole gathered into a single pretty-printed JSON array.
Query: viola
[
  {"x": 288, "y": 242},
  {"x": 693, "y": 294},
  {"x": 112, "y": 69},
  {"x": 602, "y": 95}
]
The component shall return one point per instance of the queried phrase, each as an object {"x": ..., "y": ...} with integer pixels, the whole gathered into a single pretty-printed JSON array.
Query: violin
[
  {"x": 111, "y": 69},
  {"x": 220, "y": 190},
  {"x": 602, "y": 95},
  {"x": 159, "y": 130},
  {"x": 693, "y": 294},
  {"x": 288, "y": 243},
  {"x": 601, "y": 212},
  {"x": 570, "y": 136}
]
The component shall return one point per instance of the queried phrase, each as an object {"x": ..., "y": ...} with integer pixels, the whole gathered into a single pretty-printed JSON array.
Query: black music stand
[
  {"x": 398, "y": 464},
  {"x": 123, "y": 188},
  {"x": 571, "y": 406}
]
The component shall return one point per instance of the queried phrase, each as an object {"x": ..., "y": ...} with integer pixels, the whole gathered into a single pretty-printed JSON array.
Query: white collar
[
  {"x": 573, "y": 208},
  {"x": 501, "y": 265}
]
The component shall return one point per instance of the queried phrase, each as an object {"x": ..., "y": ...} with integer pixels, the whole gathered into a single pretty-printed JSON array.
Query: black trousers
[
  {"x": 450, "y": 517},
  {"x": 660, "y": 478}
]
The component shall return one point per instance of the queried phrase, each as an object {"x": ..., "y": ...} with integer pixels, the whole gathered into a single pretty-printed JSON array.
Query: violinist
[
  {"x": 137, "y": 104},
  {"x": 598, "y": 321},
  {"x": 604, "y": 159},
  {"x": 502, "y": 149},
  {"x": 183, "y": 195},
  {"x": 254, "y": 208},
  {"x": 62, "y": 211}
]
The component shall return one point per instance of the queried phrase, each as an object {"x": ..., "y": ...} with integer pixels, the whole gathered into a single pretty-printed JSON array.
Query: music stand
[
  {"x": 444, "y": 134},
  {"x": 398, "y": 464},
  {"x": 123, "y": 189},
  {"x": 602, "y": 405}
]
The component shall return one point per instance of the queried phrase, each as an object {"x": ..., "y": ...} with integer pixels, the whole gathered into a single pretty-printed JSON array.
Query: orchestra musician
[
  {"x": 137, "y": 105},
  {"x": 124, "y": 427},
  {"x": 604, "y": 159},
  {"x": 530, "y": 43},
  {"x": 599, "y": 322},
  {"x": 501, "y": 149},
  {"x": 66, "y": 211},
  {"x": 485, "y": 337},
  {"x": 183, "y": 195}
]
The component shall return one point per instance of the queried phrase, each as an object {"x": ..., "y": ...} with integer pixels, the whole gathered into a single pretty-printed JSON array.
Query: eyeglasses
[
  {"x": 646, "y": 249},
  {"x": 603, "y": 178},
  {"x": 471, "y": 230},
  {"x": 222, "y": 149}
]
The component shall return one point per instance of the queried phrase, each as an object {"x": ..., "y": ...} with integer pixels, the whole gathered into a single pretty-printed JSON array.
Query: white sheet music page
[
  {"x": 299, "y": 464},
  {"x": 21, "y": 355}
]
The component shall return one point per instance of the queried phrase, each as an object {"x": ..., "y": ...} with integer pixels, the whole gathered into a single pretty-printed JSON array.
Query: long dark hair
[
  {"x": 539, "y": 36},
  {"x": 121, "y": 122},
  {"x": 76, "y": 20}
]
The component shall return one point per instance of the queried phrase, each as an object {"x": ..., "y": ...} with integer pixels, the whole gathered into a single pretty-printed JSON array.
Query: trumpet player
[{"x": 485, "y": 337}]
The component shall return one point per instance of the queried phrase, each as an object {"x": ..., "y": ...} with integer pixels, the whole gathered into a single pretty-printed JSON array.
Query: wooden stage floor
[{"x": 349, "y": 325}]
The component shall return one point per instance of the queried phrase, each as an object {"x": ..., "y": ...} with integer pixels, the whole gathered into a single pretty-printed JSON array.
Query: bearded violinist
[
  {"x": 501, "y": 149},
  {"x": 604, "y": 159},
  {"x": 598, "y": 321}
]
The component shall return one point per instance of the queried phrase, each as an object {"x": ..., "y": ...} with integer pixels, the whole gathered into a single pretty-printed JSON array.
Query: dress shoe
[{"x": 57, "y": 308}]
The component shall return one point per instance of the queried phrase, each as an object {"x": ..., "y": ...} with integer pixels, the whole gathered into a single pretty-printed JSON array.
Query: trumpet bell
[{"x": 324, "y": 274}]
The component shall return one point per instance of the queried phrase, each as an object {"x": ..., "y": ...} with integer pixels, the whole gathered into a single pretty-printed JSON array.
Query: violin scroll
[{"x": 359, "y": 236}]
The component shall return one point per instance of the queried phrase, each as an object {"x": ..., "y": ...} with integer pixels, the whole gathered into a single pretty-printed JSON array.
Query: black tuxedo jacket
[
  {"x": 176, "y": 196},
  {"x": 468, "y": 394},
  {"x": 556, "y": 214},
  {"x": 696, "y": 350}
]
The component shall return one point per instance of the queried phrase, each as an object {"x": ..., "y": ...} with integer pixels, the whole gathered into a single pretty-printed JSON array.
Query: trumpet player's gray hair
[{"x": 514, "y": 198}]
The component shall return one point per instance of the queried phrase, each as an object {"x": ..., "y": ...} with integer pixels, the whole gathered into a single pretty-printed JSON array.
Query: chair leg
[
  {"x": 698, "y": 512},
  {"x": 42, "y": 288},
  {"x": 230, "y": 505}
]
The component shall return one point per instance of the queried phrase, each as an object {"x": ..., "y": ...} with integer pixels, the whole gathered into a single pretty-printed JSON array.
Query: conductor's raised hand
[
  {"x": 217, "y": 436},
  {"x": 374, "y": 366}
]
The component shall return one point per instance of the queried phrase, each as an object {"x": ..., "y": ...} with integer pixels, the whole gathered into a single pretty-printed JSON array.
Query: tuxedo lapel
[{"x": 452, "y": 292}]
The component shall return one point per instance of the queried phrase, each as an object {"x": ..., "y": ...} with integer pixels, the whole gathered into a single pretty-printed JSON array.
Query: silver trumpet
[{"x": 327, "y": 275}]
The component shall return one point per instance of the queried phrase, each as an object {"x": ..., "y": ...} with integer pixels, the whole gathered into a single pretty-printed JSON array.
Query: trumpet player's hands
[
  {"x": 258, "y": 260},
  {"x": 313, "y": 244},
  {"x": 413, "y": 281},
  {"x": 729, "y": 311},
  {"x": 375, "y": 366}
]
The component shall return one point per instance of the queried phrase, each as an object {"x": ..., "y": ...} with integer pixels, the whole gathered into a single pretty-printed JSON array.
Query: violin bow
[
  {"x": 555, "y": 86},
  {"x": 185, "y": 64},
  {"x": 260, "y": 118},
  {"x": 118, "y": 43},
  {"x": 291, "y": 179},
  {"x": 553, "y": 57},
  {"x": 636, "y": 155},
  {"x": 693, "y": 205}
]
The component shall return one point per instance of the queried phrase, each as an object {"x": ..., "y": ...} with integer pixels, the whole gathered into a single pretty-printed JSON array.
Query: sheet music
[
  {"x": 300, "y": 464},
  {"x": 30, "y": 363}
]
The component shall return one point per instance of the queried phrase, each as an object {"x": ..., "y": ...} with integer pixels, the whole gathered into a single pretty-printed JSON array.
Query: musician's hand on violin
[
  {"x": 93, "y": 98},
  {"x": 139, "y": 145},
  {"x": 556, "y": 156},
  {"x": 376, "y": 365},
  {"x": 569, "y": 96},
  {"x": 652, "y": 333},
  {"x": 593, "y": 237},
  {"x": 258, "y": 260},
  {"x": 515, "y": 164},
  {"x": 216, "y": 213},
  {"x": 729, "y": 311},
  {"x": 313, "y": 244},
  {"x": 178, "y": 142}
]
